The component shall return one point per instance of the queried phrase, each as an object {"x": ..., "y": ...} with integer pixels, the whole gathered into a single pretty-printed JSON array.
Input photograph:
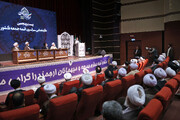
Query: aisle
[{"x": 173, "y": 111}]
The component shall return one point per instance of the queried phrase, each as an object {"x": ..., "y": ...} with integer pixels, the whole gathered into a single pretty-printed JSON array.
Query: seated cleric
[{"x": 16, "y": 47}]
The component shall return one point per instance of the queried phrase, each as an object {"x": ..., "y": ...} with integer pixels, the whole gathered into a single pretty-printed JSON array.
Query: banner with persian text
[
  {"x": 21, "y": 23},
  {"x": 53, "y": 71}
]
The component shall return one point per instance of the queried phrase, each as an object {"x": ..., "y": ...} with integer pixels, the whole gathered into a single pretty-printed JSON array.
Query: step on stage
[{"x": 53, "y": 70}]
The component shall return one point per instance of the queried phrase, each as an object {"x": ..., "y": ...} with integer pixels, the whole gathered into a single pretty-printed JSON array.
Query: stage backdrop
[{"x": 20, "y": 24}]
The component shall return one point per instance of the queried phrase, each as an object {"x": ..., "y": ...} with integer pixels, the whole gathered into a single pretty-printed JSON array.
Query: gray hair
[{"x": 112, "y": 110}]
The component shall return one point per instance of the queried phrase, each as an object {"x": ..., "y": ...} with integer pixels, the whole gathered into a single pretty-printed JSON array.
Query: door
[{"x": 130, "y": 47}]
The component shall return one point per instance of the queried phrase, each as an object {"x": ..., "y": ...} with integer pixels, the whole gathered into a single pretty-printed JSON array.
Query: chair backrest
[
  {"x": 167, "y": 59},
  {"x": 145, "y": 62},
  {"x": 99, "y": 79},
  {"x": 29, "y": 97},
  {"x": 140, "y": 65},
  {"x": 164, "y": 95},
  {"x": 177, "y": 77},
  {"x": 148, "y": 71},
  {"x": 173, "y": 85},
  {"x": 139, "y": 77},
  {"x": 152, "y": 111},
  {"x": 90, "y": 97},
  {"x": 62, "y": 108},
  {"x": 26, "y": 113},
  {"x": 68, "y": 85},
  {"x": 165, "y": 64},
  {"x": 112, "y": 90},
  {"x": 127, "y": 81},
  {"x": 57, "y": 89},
  {"x": 161, "y": 65},
  {"x": 42, "y": 97},
  {"x": 115, "y": 74}
]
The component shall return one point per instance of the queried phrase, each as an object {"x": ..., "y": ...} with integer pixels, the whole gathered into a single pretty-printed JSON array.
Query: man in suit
[
  {"x": 137, "y": 52},
  {"x": 45, "y": 46},
  {"x": 170, "y": 52},
  {"x": 16, "y": 84},
  {"x": 18, "y": 100},
  {"x": 108, "y": 75}
]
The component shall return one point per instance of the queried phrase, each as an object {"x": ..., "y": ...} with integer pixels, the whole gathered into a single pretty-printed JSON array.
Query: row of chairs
[
  {"x": 159, "y": 104},
  {"x": 114, "y": 87},
  {"x": 67, "y": 107}
]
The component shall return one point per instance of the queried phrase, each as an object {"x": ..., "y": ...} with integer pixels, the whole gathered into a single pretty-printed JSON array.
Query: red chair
[
  {"x": 139, "y": 77},
  {"x": 98, "y": 80},
  {"x": 62, "y": 108},
  {"x": 112, "y": 90},
  {"x": 173, "y": 85},
  {"x": 115, "y": 74},
  {"x": 127, "y": 81},
  {"x": 26, "y": 113},
  {"x": 167, "y": 59},
  {"x": 160, "y": 65},
  {"x": 152, "y": 111},
  {"x": 68, "y": 85},
  {"x": 165, "y": 64},
  {"x": 90, "y": 97},
  {"x": 145, "y": 62},
  {"x": 57, "y": 89},
  {"x": 140, "y": 65},
  {"x": 148, "y": 71},
  {"x": 29, "y": 97},
  {"x": 42, "y": 97},
  {"x": 177, "y": 77},
  {"x": 164, "y": 95}
]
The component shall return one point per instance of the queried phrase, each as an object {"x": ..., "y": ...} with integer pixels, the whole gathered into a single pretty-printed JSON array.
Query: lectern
[{"x": 80, "y": 50}]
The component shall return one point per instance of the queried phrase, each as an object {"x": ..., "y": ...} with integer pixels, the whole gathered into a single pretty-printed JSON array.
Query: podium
[{"x": 80, "y": 50}]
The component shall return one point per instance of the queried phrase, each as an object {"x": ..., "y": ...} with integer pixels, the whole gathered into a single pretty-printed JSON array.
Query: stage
[{"x": 53, "y": 70}]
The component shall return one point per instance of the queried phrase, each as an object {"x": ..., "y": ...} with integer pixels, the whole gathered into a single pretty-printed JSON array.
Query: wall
[
  {"x": 155, "y": 22},
  {"x": 150, "y": 39}
]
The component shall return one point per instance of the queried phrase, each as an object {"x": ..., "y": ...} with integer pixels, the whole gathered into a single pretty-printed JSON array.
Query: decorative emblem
[
  {"x": 70, "y": 63},
  {"x": 26, "y": 55},
  {"x": 61, "y": 52},
  {"x": 45, "y": 53},
  {"x": 24, "y": 14}
]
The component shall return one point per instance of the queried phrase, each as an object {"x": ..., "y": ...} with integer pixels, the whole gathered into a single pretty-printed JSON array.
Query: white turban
[
  {"x": 176, "y": 62},
  {"x": 86, "y": 79},
  {"x": 133, "y": 61},
  {"x": 41, "y": 79},
  {"x": 26, "y": 43},
  {"x": 159, "y": 72},
  {"x": 161, "y": 58},
  {"x": 53, "y": 43},
  {"x": 133, "y": 66},
  {"x": 141, "y": 58},
  {"x": 67, "y": 76},
  {"x": 122, "y": 72},
  {"x": 150, "y": 80},
  {"x": 15, "y": 44},
  {"x": 114, "y": 63},
  {"x": 50, "y": 88},
  {"x": 170, "y": 72},
  {"x": 136, "y": 95},
  {"x": 164, "y": 54},
  {"x": 85, "y": 70}
]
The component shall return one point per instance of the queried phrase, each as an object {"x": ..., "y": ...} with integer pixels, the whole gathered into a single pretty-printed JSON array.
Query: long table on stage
[
  {"x": 38, "y": 55},
  {"x": 53, "y": 70}
]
